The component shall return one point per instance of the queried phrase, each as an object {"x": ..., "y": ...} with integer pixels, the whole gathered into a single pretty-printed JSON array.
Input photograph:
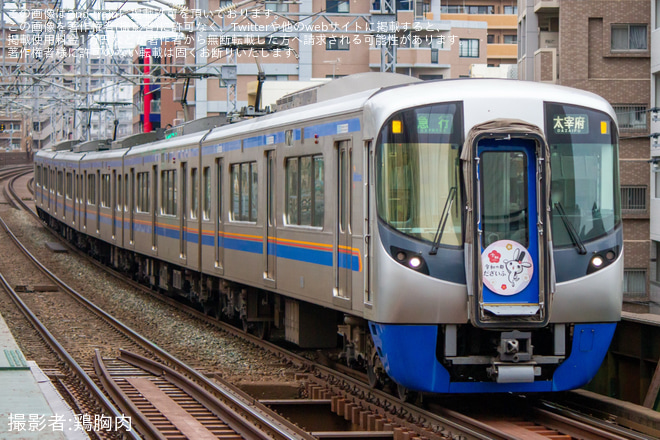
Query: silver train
[{"x": 452, "y": 237}]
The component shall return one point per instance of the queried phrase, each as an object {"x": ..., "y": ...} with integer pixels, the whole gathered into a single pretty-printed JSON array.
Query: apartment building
[
  {"x": 655, "y": 155},
  {"x": 603, "y": 47},
  {"x": 319, "y": 39}
]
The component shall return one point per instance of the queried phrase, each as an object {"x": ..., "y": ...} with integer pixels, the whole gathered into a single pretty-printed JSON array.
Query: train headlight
[
  {"x": 597, "y": 261},
  {"x": 602, "y": 259},
  {"x": 415, "y": 262},
  {"x": 411, "y": 259}
]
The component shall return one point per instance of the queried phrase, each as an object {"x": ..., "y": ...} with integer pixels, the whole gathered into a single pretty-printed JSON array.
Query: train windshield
[
  {"x": 418, "y": 172},
  {"x": 585, "y": 200}
]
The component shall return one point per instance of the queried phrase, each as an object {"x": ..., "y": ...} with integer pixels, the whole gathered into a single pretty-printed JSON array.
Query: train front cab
[{"x": 540, "y": 317}]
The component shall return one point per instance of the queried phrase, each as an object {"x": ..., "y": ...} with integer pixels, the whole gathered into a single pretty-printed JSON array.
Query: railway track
[
  {"x": 73, "y": 350},
  {"x": 382, "y": 415}
]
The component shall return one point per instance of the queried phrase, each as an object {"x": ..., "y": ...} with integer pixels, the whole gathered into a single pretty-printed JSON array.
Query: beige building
[
  {"x": 322, "y": 39},
  {"x": 603, "y": 47}
]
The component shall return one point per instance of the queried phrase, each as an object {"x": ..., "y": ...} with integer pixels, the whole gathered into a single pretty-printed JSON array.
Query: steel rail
[
  {"x": 57, "y": 347},
  {"x": 278, "y": 425}
]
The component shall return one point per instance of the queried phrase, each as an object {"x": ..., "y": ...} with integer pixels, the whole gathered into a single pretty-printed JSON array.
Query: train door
[
  {"x": 368, "y": 184},
  {"x": 131, "y": 208},
  {"x": 74, "y": 197},
  {"x": 508, "y": 192},
  {"x": 85, "y": 200},
  {"x": 270, "y": 245},
  {"x": 342, "y": 245},
  {"x": 97, "y": 197},
  {"x": 113, "y": 203},
  {"x": 184, "y": 213},
  {"x": 219, "y": 224},
  {"x": 154, "y": 207}
]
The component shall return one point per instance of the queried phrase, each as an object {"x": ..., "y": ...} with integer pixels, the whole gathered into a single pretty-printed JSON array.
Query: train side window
[
  {"x": 81, "y": 182},
  {"x": 219, "y": 195},
  {"x": 60, "y": 183},
  {"x": 142, "y": 204},
  {"x": 105, "y": 190},
  {"x": 244, "y": 179},
  {"x": 305, "y": 194},
  {"x": 168, "y": 192},
  {"x": 69, "y": 186},
  {"x": 119, "y": 193},
  {"x": 91, "y": 189},
  {"x": 127, "y": 192},
  {"x": 206, "y": 201},
  {"x": 194, "y": 202}
]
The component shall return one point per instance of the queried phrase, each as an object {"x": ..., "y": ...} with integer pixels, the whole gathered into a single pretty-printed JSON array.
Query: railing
[{"x": 633, "y": 199}]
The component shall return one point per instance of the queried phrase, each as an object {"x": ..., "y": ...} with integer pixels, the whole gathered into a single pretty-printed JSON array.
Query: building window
[
  {"x": 634, "y": 281},
  {"x": 511, "y": 9},
  {"x": 633, "y": 199},
  {"x": 275, "y": 5},
  {"x": 422, "y": 7},
  {"x": 434, "y": 56},
  {"x": 337, "y": 6},
  {"x": 457, "y": 9},
  {"x": 510, "y": 39},
  {"x": 305, "y": 190},
  {"x": 468, "y": 48},
  {"x": 631, "y": 118},
  {"x": 656, "y": 176},
  {"x": 244, "y": 180},
  {"x": 490, "y": 39},
  {"x": 629, "y": 37},
  {"x": 337, "y": 43}
]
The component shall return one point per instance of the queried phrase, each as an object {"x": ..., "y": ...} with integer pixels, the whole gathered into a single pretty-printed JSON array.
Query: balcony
[
  {"x": 546, "y": 6},
  {"x": 493, "y": 21},
  {"x": 545, "y": 65},
  {"x": 502, "y": 51}
]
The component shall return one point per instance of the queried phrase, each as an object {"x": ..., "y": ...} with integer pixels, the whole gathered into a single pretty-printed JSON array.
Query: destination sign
[
  {"x": 571, "y": 124},
  {"x": 435, "y": 123}
]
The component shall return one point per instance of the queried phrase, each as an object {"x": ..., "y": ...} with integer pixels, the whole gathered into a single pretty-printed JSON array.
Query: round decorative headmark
[{"x": 507, "y": 267}]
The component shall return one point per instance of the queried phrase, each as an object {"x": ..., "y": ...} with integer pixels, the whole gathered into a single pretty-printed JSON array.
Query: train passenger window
[
  {"x": 244, "y": 179},
  {"x": 79, "y": 189},
  {"x": 218, "y": 185},
  {"x": 194, "y": 203},
  {"x": 305, "y": 190},
  {"x": 91, "y": 189},
  {"x": 60, "y": 183},
  {"x": 168, "y": 192},
  {"x": 119, "y": 192},
  {"x": 142, "y": 190},
  {"x": 105, "y": 190},
  {"x": 126, "y": 192},
  {"x": 69, "y": 186},
  {"x": 206, "y": 201}
]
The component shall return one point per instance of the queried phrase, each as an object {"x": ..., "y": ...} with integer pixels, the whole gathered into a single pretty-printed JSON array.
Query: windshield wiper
[
  {"x": 443, "y": 220},
  {"x": 575, "y": 238}
]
